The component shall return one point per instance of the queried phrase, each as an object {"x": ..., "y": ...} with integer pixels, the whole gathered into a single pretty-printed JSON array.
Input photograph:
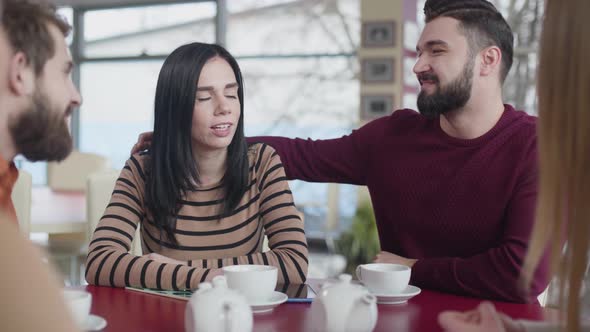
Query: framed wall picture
[
  {"x": 375, "y": 106},
  {"x": 378, "y": 70},
  {"x": 378, "y": 34}
]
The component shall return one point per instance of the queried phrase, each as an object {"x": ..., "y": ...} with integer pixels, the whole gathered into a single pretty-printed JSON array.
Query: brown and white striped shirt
[{"x": 204, "y": 240}]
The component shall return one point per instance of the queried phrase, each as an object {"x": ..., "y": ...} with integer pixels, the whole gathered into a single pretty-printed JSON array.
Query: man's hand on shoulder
[{"x": 144, "y": 141}]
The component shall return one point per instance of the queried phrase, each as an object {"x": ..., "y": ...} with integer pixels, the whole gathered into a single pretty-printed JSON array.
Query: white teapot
[
  {"x": 343, "y": 306},
  {"x": 216, "y": 308}
]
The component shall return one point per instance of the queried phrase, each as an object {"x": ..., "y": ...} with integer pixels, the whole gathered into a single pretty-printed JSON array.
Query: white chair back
[
  {"x": 71, "y": 174},
  {"x": 21, "y": 198},
  {"x": 99, "y": 190}
]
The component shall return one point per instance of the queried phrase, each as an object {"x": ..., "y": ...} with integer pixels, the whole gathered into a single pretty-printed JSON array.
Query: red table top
[{"x": 127, "y": 311}]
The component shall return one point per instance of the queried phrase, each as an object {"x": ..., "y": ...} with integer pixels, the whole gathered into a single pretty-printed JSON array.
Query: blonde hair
[{"x": 563, "y": 207}]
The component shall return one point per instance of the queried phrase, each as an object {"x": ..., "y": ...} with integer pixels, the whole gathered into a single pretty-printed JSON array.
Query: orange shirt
[{"x": 8, "y": 176}]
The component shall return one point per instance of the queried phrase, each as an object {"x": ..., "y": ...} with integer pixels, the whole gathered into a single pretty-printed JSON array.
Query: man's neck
[
  {"x": 211, "y": 166},
  {"x": 477, "y": 117}
]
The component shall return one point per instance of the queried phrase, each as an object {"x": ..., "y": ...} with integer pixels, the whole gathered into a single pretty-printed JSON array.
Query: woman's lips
[{"x": 222, "y": 129}]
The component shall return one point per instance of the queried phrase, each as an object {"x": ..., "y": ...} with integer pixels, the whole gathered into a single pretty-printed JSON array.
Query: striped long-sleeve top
[{"x": 205, "y": 240}]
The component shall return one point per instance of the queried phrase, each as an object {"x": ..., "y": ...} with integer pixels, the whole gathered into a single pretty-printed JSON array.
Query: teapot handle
[{"x": 358, "y": 273}]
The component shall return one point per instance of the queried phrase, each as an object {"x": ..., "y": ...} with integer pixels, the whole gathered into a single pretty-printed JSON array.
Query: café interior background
[{"x": 312, "y": 68}]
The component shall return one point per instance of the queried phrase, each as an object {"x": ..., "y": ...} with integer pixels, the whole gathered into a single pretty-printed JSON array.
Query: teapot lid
[
  {"x": 205, "y": 285},
  {"x": 344, "y": 287},
  {"x": 219, "y": 282},
  {"x": 217, "y": 286},
  {"x": 345, "y": 278}
]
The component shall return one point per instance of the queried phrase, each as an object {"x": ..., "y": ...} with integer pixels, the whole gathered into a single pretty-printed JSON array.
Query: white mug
[
  {"x": 384, "y": 279},
  {"x": 256, "y": 282},
  {"x": 78, "y": 302}
]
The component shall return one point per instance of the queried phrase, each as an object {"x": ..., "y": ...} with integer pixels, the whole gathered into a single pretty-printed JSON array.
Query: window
[
  {"x": 300, "y": 80},
  {"x": 120, "y": 69},
  {"x": 118, "y": 106},
  {"x": 152, "y": 30},
  {"x": 294, "y": 27}
]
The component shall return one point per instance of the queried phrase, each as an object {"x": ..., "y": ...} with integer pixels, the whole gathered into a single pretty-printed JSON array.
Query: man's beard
[
  {"x": 40, "y": 132},
  {"x": 450, "y": 97}
]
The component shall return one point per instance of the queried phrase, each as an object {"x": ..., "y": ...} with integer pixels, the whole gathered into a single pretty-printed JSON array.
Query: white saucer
[
  {"x": 398, "y": 298},
  {"x": 267, "y": 306},
  {"x": 95, "y": 323}
]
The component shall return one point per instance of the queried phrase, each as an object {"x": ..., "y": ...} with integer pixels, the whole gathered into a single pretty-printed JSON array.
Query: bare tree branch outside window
[{"x": 524, "y": 17}]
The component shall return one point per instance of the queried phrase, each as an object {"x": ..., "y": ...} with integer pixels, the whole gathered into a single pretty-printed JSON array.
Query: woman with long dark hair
[{"x": 203, "y": 198}]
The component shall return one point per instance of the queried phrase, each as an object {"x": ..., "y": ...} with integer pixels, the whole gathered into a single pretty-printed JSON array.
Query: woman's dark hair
[{"x": 172, "y": 170}]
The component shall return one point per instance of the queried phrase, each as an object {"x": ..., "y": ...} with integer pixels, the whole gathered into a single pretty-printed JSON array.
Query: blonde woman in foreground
[
  {"x": 563, "y": 210},
  {"x": 31, "y": 300}
]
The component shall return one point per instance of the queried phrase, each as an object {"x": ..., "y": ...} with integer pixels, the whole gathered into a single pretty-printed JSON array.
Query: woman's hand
[{"x": 484, "y": 318}]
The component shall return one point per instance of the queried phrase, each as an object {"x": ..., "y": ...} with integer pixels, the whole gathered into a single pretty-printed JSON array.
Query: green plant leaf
[{"x": 361, "y": 243}]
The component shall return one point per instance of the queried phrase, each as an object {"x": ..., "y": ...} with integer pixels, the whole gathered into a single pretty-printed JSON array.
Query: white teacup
[
  {"x": 79, "y": 302},
  {"x": 383, "y": 279},
  {"x": 256, "y": 282}
]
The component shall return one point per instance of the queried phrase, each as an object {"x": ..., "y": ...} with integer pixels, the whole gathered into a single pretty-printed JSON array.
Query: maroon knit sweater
[{"x": 463, "y": 208}]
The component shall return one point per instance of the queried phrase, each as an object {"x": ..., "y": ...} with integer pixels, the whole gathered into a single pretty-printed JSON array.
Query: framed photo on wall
[
  {"x": 378, "y": 34},
  {"x": 375, "y": 106},
  {"x": 378, "y": 70}
]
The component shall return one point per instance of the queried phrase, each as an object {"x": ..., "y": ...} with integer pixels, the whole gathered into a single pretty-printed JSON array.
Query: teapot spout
[{"x": 369, "y": 299}]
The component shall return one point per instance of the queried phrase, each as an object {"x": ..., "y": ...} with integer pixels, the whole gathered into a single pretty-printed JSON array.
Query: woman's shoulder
[
  {"x": 260, "y": 154},
  {"x": 138, "y": 163}
]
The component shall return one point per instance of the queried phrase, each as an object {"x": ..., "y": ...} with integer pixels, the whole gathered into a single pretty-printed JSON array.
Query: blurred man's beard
[
  {"x": 41, "y": 133},
  {"x": 450, "y": 97}
]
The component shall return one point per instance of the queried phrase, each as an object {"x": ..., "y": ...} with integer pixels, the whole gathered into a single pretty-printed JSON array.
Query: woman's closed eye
[{"x": 203, "y": 98}]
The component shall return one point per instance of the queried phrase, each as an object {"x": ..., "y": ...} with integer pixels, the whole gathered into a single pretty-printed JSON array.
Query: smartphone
[{"x": 297, "y": 293}]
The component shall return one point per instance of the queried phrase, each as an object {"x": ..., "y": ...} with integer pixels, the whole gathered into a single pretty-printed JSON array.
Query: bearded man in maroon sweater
[{"x": 454, "y": 186}]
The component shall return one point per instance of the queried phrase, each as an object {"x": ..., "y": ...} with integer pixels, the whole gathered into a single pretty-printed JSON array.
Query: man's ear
[
  {"x": 21, "y": 76},
  {"x": 491, "y": 60}
]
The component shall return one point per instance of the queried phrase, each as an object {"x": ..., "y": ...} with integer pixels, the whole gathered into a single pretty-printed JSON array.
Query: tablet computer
[
  {"x": 297, "y": 293},
  {"x": 175, "y": 294},
  {"x": 302, "y": 293}
]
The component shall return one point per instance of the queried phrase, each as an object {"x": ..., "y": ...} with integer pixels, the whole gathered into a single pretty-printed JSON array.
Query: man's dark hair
[
  {"x": 26, "y": 24},
  {"x": 481, "y": 24}
]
